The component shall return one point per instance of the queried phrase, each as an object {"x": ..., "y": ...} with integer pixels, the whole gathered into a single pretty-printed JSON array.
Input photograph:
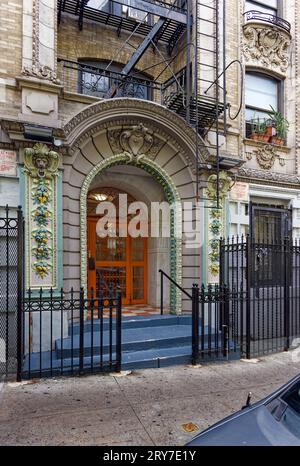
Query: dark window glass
[
  {"x": 291, "y": 415},
  {"x": 96, "y": 80},
  {"x": 292, "y": 397}
]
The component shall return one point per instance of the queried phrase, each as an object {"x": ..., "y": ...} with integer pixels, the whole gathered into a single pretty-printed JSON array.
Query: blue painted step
[
  {"x": 133, "y": 339},
  {"x": 154, "y": 358},
  {"x": 134, "y": 322},
  {"x": 153, "y": 341}
]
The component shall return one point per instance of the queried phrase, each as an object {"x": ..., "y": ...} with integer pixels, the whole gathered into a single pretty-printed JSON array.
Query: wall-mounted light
[{"x": 38, "y": 133}]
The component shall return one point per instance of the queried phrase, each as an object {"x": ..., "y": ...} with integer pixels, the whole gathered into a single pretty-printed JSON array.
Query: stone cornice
[
  {"x": 39, "y": 84},
  {"x": 264, "y": 176}
]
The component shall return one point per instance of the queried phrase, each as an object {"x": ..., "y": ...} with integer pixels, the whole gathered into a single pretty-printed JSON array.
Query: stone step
[
  {"x": 134, "y": 322},
  {"x": 133, "y": 339},
  {"x": 153, "y": 358}
]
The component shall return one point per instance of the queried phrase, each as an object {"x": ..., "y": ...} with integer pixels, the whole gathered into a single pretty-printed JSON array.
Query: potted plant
[
  {"x": 262, "y": 131},
  {"x": 270, "y": 128},
  {"x": 281, "y": 126},
  {"x": 259, "y": 130},
  {"x": 254, "y": 123}
]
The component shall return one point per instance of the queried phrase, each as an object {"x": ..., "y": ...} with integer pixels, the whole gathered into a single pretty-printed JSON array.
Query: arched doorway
[
  {"x": 102, "y": 136},
  {"x": 115, "y": 262}
]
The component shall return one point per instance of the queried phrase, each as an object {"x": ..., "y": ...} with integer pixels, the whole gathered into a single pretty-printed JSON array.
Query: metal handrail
[
  {"x": 174, "y": 283},
  {"x": 268, "y": 18},
  {"x": 216, "y": 82}
]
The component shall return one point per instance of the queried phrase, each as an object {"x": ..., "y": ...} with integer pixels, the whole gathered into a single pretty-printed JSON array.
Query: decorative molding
[
  {"x": 266, "y": 156},
  {"x": 40, "y": 161},
  {"x": 172, "y": 196},
  {"x": 36, "y": 69},
  {"x": 138, "y": 141},
  {"x": 216, "y": 218},
  {"x": 41, "y": 169},
  {"x": 41, "y": 72},
  {"x": 113, "y": 111},
  {"x": 266, "y": 46},
  {"x": 252, "y": 173}
]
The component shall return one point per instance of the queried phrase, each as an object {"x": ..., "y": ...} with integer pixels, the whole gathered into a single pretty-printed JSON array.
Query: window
[
  {"x": 291, "y": 414},
  {"x": 269, "y": 225},
  {"x": 133, "y": 13},
  {"x": 270, "y": 6},
  {"x": 261, "y": 91},
  {"x": 96, "y": 81},
  {"x": 115, "y": 8},
  {"x": 102, "y": 5}
]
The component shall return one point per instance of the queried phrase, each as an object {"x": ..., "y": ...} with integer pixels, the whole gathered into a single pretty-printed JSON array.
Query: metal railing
[
  {"x": 96, "y": 81},
  {"x": 69, "y": 333},
  {"x": 267, "y": 18},
  {"x": 212, "y": 333},
  {"x": 264, "y": 285},
  {"x": 11, "y": 284}
]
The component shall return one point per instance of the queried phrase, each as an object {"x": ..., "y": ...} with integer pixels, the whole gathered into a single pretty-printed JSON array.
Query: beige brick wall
[
  {"x": 10, "y": 37},
  {"x": 10, "y": 56}
]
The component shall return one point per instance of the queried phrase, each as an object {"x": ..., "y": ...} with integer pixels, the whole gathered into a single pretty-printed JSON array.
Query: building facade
[{"x": 101, "y": 98}]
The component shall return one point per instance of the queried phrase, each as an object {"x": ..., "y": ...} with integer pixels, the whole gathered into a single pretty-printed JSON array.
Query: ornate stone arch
[
  {"x": 109, "y": 112},
  {"x": 172, "y": 195}
]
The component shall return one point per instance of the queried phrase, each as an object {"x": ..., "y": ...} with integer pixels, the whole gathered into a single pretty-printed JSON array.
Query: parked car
[{"x": 275, "y": 420}]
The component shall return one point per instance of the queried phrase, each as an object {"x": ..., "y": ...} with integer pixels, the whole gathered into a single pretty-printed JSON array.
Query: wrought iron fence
[
  {"x": 213, "y": 333},
  {"x": 69, "y": 333},
  {"x": 264, "y": 284},
  {"x": 11, "y": 282}
]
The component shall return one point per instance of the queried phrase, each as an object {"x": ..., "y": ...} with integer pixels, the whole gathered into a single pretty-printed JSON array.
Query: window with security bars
[{"x": 269, "y": 227}]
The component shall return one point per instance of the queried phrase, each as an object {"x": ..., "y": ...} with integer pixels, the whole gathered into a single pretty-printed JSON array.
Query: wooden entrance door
[{"x": 118, "y": 262}]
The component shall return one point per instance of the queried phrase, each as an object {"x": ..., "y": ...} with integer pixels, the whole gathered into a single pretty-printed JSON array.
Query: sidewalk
[{"x": 147, "y": 407}]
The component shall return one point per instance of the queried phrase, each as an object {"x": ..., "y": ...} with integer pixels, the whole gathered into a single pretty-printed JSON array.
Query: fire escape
[{"x": 197, "y": 92}]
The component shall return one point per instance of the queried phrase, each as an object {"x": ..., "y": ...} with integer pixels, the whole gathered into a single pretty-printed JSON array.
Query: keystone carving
[
  {"x": 137, "y": 141},
  {"x": 266, "y": 46}
]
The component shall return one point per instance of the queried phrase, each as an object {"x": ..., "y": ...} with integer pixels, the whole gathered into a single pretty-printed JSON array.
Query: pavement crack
[{"x": 135, "y": 413}]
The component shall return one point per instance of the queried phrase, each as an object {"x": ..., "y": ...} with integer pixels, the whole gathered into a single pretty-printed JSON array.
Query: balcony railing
[
  {"x": 99, "y": 82},
  {"x": 267, "y": 18}
]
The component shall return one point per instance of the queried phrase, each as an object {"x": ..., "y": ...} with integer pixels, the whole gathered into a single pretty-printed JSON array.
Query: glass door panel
[
  {"x": 138, "y": 288},
  {"x": 110, "y": 249},
  {"x": 111, "y": 278},
  {"x": 137, "y": 249},
  {"x": 117, "y": 263}
]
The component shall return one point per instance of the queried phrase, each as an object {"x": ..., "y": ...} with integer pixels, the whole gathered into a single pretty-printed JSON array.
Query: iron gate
[
  {"x": 11, "y": 285},
  {"x": 264, "y": 285},
  {"x": 214, "y": 334}
]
